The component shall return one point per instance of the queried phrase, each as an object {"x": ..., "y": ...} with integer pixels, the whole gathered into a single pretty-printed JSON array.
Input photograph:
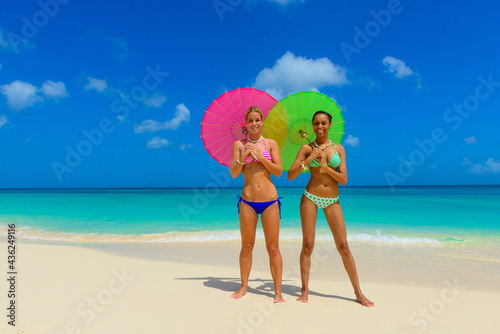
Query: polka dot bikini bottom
[{"x": 321, "y": 202}]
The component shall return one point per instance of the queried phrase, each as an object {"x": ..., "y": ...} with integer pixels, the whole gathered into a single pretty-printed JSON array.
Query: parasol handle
[
  {"x": 244, "y": 130},
  {"x": 303, "y": 134}
]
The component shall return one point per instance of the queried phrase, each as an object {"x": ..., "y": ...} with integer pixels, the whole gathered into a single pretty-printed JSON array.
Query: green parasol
[{"x": 290, "y": 123}]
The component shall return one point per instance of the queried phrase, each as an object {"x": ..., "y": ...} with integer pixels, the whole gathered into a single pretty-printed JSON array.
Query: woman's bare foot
[
  {"x": 360, "y": 297},
  {"x": 278, "y": 298},
  {"x": 304, "y": 296},
  {"x": 240, "y": 293}
]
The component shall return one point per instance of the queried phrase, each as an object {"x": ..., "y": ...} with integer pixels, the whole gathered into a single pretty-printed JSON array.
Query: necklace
[
  {"x": 316, "y": 145},
  {"x": 255, "y": 141}
]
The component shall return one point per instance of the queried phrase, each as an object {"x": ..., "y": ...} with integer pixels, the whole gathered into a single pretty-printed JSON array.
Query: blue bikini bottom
[{"x": 259, "y": 207}]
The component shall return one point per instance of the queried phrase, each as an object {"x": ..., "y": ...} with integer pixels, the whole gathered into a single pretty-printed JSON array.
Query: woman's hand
[
  {"x": 315, "y": 153},
  {"x": 339, "y": 174},
  {"x": 322, "y": 163},
  {"x": 319, "y": 152},
  {"x": 250, "y": 149}
]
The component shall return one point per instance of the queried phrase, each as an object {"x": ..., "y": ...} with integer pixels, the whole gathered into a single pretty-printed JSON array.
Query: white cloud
[
  {"x": 158, "y": 142},
  {"x": 352, "y": 141},
  {"x": 184, "y": 146},
  {"x": 291, "y": 74},
  {"x": 20, "y": 94},
  {"x": 23, "y": 94},
  {"x": 470, "y": 140},
  {"x": 149, "y": 125},
  {"x": 54, "y": 90},
  {"x": 473, "y": 168},
  {"x": 96, "y": 84},
  {"x": 397, "y": 66},
  {"x": 490, "y": 166},
  {"x": 3, "y": 120},
  {"x": 181, "y": 116},
  {"x": 155, "y": 101}
]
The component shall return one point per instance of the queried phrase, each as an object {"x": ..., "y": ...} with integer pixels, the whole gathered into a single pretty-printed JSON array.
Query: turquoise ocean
[{"x": 427, "y": 216}]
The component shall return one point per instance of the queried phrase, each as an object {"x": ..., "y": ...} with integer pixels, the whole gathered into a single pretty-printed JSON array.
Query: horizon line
[{"x": 136, "y": 188}]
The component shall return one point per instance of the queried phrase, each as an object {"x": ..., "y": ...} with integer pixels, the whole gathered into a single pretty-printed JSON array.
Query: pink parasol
[{"x": 224, "y": 120}]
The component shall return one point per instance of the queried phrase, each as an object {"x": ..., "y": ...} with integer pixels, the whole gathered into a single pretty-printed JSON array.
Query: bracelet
[
  {"x": 239, "y": 163},
  {"x": 302, "y": 165}
]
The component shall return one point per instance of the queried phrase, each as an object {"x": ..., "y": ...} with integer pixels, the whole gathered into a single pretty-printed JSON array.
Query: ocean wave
[
  {"x": 378, "y": 237},
  {"x": 221, "y": 235},
  {"x": 32, "y": 234}
]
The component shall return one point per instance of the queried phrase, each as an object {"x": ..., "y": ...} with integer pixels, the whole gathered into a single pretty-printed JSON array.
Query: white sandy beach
[{"x": 186, "y": 287}]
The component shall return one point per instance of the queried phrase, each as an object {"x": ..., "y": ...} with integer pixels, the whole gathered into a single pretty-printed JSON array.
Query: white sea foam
[
  {"x": 222, "y": 235},
  {"x": 378, "y": 237}
]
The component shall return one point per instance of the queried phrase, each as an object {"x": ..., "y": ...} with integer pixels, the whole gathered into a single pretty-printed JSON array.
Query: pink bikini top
[{"x": 266, "y": 154}]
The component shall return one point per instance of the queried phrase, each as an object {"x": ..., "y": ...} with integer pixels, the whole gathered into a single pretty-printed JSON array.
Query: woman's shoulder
[
  {"x": 306, "y": 148},
  {"x": 339, "y": 147},
  {"x": 239, "y": 143},
  {"x": 270, "y": 141}
]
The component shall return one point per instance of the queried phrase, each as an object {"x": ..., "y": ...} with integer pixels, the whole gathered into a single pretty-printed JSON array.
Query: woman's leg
[
  {"x": 308, "y": 215},
  {"x": 271, "y": 225},
  {"x": 248, "y": 224},
  {"x": 335, "y": 219}
]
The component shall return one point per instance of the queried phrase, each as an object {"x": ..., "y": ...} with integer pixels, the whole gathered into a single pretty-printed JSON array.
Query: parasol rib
[
  {"x": 215, "y": 142},
  {"x": 225, "y": 109}
]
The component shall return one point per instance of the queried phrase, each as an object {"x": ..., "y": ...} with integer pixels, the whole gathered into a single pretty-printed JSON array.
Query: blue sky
[{"x": 112, "y": 94}]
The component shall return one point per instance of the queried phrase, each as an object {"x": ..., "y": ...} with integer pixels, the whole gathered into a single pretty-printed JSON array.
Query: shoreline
[{"x": 361, "y": 234}]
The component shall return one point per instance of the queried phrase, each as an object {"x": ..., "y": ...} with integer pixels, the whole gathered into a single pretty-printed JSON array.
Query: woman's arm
[
  {"x": 235, "y": 168},
  {"x": 296, "y": 167},
  {"x": 341, "y": 175},
  {"x": 274, "y": 167}
]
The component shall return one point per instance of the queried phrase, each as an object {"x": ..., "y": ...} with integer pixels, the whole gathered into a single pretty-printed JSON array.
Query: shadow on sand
[{"x": 266, "y": 288}]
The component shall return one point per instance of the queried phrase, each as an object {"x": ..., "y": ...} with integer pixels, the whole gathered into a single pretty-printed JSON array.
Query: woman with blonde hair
[{"x": 257, "y": 158}]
